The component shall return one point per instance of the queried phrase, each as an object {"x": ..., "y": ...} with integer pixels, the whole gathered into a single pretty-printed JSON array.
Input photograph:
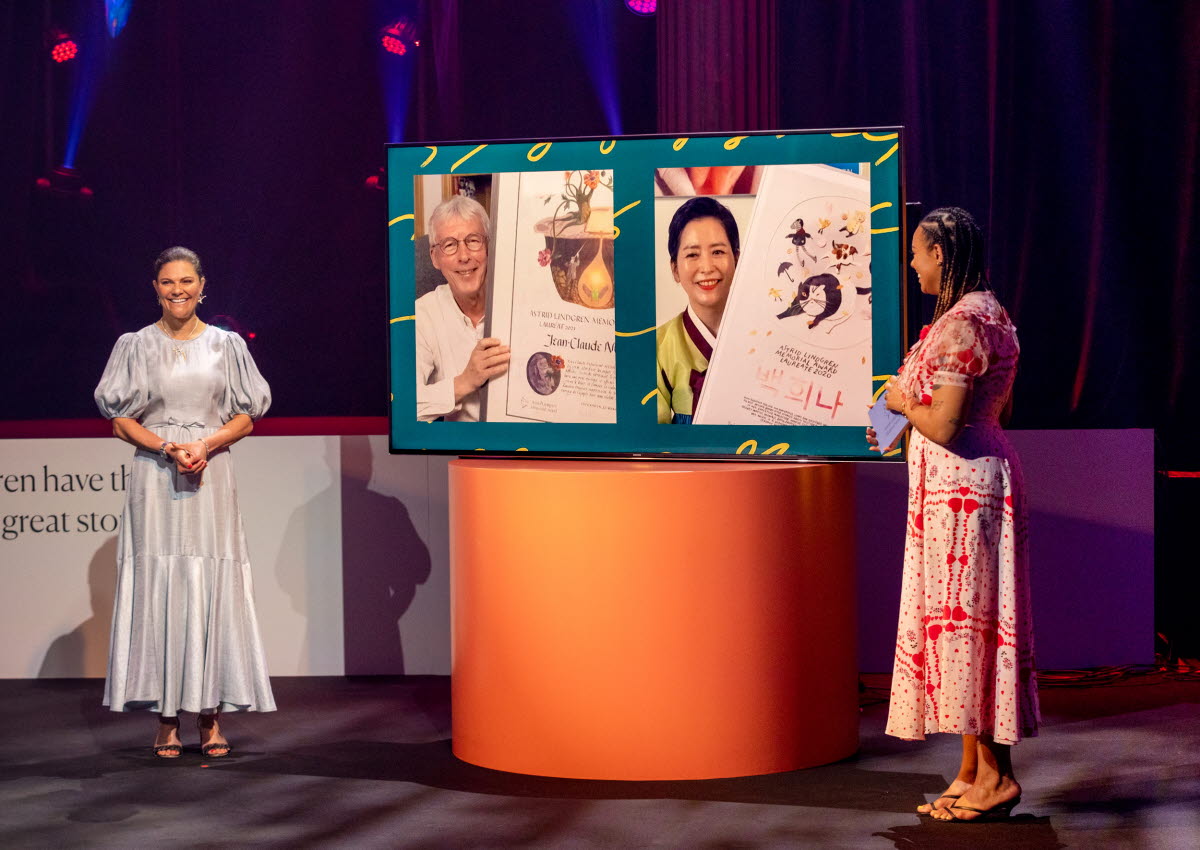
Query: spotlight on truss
[
  {"x": 63, "y": 48},
  {"x": 64, "y": 182},
  {"x": 642, "y": 7},
  {"x": 399, "y": 37},
  {"x": 377, "y": 181}
]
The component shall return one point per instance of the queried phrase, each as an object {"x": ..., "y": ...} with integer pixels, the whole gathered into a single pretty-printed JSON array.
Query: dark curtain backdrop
[
  {"x": 245, "y": 130},
  {"x": 1069, "y": 128}
]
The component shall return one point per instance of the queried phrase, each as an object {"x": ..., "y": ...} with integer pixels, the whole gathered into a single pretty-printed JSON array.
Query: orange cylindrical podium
[{"x": 652, "y": 620}]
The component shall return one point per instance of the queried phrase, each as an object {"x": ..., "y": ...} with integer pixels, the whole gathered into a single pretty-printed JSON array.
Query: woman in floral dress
[{"x": 964, "y": 647}]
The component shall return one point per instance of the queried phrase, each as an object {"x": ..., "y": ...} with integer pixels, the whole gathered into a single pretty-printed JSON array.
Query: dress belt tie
[{"x": 176, "y": 423}]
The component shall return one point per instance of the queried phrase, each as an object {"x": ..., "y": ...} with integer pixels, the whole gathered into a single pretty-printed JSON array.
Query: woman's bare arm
[{"x": 942, "y": 419}]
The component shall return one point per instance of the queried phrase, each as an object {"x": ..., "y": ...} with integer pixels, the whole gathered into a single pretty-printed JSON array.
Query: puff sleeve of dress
[
  {"x": 246, "y": 390},
  {"x": 957, "y": 356},
  {"x": 124, "y": 390}
]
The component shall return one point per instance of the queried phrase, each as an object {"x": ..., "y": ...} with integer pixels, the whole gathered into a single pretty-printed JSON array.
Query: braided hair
[{"x": 961, "y": 240}]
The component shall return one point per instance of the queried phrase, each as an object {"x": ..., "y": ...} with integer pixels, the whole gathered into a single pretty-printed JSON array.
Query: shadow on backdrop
[
  {"x": 83, "y": 652},
  {"x": 383, "y": 562}
]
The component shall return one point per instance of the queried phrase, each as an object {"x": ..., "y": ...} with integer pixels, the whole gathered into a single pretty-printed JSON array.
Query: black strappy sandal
[
  {"x": 162, "y": 750},
  {"x": 933, "y": 808},
  {"x": 207, "y": 750},
  {"x": 1000, "y": 812}
]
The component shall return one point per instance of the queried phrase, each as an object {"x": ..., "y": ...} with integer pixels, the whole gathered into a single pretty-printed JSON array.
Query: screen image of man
[{"x": 454, "y": 359}]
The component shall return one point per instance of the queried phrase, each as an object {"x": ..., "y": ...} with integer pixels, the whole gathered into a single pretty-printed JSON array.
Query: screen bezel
[{"x": 636, "y": 434}]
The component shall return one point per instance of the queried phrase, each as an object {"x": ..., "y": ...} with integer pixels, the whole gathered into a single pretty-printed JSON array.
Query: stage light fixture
[
  {"x": 64, "y": 48},
  {"x": 64, "y": 182},
  {"x": 116, "y": 15},
  {"x": 377, "y": 181},
  {"x": 227, "y": 323},
  {"x": 399, "y": 37},
  {"x": 642, "y": 7}
]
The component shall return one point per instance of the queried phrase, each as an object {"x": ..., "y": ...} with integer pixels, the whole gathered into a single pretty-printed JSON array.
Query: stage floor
[{"x": 366, "y": 762}]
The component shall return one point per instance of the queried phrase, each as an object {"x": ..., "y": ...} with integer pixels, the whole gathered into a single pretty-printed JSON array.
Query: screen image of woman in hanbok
[{"x": 704, "y": 245}]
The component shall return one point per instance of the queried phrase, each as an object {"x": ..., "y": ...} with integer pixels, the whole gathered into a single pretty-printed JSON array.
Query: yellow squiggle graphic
[
  {"x": 678, "y": 144},
  {"x": 432, "y": 154},
  {"x": 730, "y": 144},
  {"x": 522, "y": 449},
  {"x": 844, "y": 135},
  {"x": 870, "y": 137},
  {"x": 878, "y": 230},
  {"x": 616, "y": 231},
  {"x": 612, "y": 143},
  {"x": 779, "y": 137},
  {"x": 751, "y": 447},
  {"x": 400, "y": 218},
  {"x": 891, "y": 151},
  {"x": 649, "y": 395},
  {"x": 468, "y": 156},
  {"x": 882, "y": 206},
  {"x": 892, "y": 452},
  {"x": 401, "y": 319},
  {"x": 534, "y": 157},
  {"x": 626, "y": 208},
  {"x": 637, "y": 333}
]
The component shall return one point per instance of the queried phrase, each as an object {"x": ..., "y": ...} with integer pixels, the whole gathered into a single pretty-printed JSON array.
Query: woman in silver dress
[{"x": 184, "y": 635}]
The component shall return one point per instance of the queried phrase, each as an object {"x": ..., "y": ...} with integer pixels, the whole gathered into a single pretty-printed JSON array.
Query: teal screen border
[{"x": 637, "y": 431}]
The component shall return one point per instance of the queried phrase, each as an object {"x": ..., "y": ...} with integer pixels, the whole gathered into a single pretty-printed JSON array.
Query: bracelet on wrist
[{"x": 207, "y": 450}]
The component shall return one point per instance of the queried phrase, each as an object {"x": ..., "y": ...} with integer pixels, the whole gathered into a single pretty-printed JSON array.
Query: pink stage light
[
  {"x": 400, "y": 37},
  {"x": 642, "y": 7},
  {"x": 64, "y": 51}
]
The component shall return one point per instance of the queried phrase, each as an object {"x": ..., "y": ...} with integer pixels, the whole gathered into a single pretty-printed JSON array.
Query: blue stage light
[
  {"x": 399, "y": 40},
  {"x": 594, "y": 29},
  {"x": 116, "y": 15}
]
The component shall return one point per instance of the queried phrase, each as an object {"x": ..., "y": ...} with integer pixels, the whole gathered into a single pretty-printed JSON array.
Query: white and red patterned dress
[{"x": 964, "y": 645}]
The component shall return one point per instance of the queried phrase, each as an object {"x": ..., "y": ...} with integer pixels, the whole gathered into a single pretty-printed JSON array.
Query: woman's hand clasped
[{"x": 190, "y": 458}]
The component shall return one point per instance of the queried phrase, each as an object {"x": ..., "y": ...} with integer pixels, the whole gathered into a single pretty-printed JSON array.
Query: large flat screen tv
[{"x": 654, "y": 296}]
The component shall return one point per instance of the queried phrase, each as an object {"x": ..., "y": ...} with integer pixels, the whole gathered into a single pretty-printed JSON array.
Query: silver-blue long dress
[{"x": 184, "y": 635}]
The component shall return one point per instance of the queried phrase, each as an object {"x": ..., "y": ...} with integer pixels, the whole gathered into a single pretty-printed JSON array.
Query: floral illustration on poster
[
  {"x": 794, "y": 346},
  {"x": 554, "y": 295}
]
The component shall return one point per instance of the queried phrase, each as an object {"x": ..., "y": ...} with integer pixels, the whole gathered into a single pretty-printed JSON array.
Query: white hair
[{"x": 460, "y": 207}]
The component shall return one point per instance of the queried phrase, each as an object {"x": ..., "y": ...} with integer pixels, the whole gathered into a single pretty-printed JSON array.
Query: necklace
[{"x": 180, "y": 354}]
